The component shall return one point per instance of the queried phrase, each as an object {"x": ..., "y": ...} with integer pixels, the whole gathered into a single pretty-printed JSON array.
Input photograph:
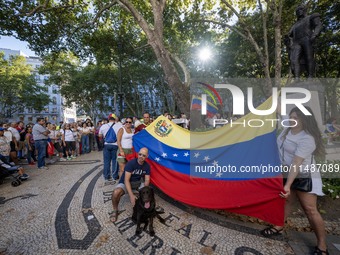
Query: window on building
[
  {"x": 8, "y": 114},
  {"x": 54, "y": 117},
  {"x": 55, "y": 89},
  {"x": 54, "y": 109},
  {"x": 46, "y": 110},
  {"x": 45, "y": 78},
  {"x": 54, "y": 100},
  {"x": 30, "y": 118},
  {"x": 21, "y": 118},
  {"x": 30, "y": 110}
]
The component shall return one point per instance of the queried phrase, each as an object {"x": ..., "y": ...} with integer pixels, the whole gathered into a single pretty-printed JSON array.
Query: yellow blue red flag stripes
[
  {"x": 235, "y": 167},
  {"x": 196, "y": 104}
]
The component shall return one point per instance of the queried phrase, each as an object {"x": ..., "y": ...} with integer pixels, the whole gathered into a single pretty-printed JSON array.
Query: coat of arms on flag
[{"x": 163, "y": 128}]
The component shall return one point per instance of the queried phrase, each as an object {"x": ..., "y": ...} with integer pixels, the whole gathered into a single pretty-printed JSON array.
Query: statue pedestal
[{"x": 317, "y": 102}]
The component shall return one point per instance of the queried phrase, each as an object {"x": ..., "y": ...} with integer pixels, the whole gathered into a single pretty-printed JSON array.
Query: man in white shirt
[
  {"x": 40, "y": 136},
  {"x": 110, "y": 149},
  {"x": 15, "y": 132},
  {"x": 14, "y": 142}
]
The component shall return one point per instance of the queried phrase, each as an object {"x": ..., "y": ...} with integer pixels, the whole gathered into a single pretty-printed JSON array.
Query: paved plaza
[{"x": 65, "y": 210}]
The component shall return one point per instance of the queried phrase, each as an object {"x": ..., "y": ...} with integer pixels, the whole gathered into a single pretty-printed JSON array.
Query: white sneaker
[
  {"x": 43, "y": 168},
  {"x": 62, "y": 159}
]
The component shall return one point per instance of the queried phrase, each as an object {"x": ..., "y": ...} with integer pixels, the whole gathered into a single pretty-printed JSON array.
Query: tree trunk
[
  {"x": 333, "y": 102},
  {"x": 277, "y": 14},
  {"x": 154, "y": 34},
  {"x": 178, "y": 88}
]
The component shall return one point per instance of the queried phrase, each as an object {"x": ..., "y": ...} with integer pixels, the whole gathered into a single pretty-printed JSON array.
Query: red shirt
[{"x": 140, "y": 128}]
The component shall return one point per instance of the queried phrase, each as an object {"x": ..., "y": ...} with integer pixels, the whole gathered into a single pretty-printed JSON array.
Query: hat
[
  {"x": 2, "y": 129},
  {"x": 112, "y": 116}
]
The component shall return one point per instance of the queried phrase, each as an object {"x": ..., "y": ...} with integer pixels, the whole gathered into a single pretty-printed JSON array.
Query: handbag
[
  {"x": 300, "y": 184},
  {"x": 303, "y": 184},
  {"x": 50, "y": 148}
]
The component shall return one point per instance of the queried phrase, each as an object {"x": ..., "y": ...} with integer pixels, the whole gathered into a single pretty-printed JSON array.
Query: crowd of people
[
  {"x": 67, "y": 141},
  {"x": 332, "y": 130},
  {"x": 35, "y": 142},
  {"x": 298, "y": 147}
]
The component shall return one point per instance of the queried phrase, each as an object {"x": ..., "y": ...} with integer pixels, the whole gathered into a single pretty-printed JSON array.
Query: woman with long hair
[
  {"x": 85, "y": 140},
  {"x": 30, "y": 145},
  {"x": 69, "y": 141},
  {"x": 124, "y": 142},
  {"x": 299, "y": 145},
  {"x": 55, "y": 137},
  {"x": 98, "y": 139}
]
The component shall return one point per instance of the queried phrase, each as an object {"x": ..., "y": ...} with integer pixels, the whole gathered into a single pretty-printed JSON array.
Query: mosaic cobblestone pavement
[{"x": 65, "y": 210}]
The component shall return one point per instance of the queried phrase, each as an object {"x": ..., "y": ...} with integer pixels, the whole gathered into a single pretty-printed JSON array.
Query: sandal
[
  {"x": 113, "y": 216},
  {"x": 317, "y": 251},
  {"x": 271, "y": 231}
]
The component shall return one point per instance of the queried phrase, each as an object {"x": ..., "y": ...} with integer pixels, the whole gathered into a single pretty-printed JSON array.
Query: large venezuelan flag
[{"x": 212, "y": 169}]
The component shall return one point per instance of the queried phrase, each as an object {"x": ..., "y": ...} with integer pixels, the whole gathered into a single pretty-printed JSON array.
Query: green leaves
[
  {"x": 19, "y": 88},
  {"x": 138, "y": 33},
  {"x": 88, "y": 86}
]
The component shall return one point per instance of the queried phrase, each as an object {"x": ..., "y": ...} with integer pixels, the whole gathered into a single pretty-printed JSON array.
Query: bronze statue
[{"x": 299, "y": 42}]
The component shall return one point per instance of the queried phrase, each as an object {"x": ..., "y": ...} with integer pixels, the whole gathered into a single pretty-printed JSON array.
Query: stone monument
[
  {"x": 300, "y": 46},
  {"x": 300, "y": 40}
]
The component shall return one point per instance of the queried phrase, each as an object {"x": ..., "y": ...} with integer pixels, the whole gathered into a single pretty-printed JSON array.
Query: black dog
[{"x": 145, "y": 210}]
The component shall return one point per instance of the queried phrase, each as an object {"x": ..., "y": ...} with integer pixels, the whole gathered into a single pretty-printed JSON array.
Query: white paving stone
[{"x": 28, "y": 225}]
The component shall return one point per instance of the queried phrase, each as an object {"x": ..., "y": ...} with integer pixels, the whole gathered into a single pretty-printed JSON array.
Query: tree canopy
[
  {"x": 19, "y": 88},
  {"x": 247, "y": 36}
]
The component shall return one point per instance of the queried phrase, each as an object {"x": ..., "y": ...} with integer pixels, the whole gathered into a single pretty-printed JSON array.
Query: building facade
[{"x": 55, "y": 111}]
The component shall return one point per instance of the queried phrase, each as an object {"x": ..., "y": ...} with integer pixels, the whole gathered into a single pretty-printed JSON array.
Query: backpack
[{"x": 111, "y": 136}]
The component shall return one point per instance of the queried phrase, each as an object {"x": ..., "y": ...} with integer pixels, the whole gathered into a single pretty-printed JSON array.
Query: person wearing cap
[{"x": 110, "y": 149}]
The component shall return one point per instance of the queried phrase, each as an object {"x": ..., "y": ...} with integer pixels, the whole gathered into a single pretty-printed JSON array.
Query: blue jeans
[
  {"x": 110, "y": 157},
  {"x": 41, "y": 148},
  {"x": 30, "y": 154},
  {"x": 85, "y": 144}
]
